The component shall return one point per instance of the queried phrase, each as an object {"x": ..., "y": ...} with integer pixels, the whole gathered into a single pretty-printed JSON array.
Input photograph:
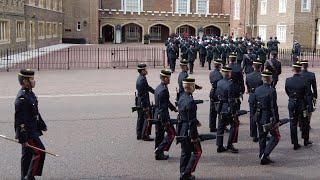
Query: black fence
[
  {"x": 83, "y": 57},
  {"x": 97, "y": 57}
]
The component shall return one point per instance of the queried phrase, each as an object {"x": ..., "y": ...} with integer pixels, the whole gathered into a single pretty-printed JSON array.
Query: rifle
[
  {"x": 171, "y": 121},
  {"x": 268, "y": 127},
  {"x": 201, "y": 101},
  {"x": 202, "y": 137}
]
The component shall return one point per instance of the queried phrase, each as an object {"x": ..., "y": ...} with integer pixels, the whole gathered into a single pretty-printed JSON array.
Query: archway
[
  {"x": 212, "y": 30},
  {"x": 159, "y": 33},
  {"x": 186, "y": 30},
  {"x": 132, "y": 33},
  {"x": 108, "y": 33}
]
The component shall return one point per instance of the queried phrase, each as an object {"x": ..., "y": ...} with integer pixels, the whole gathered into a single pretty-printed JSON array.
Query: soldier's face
[
  {"x": 29, "y": 83},
  {"x": 185, "y": 68},
  {"x": 145, "y": 72},
  {"x": 166, "y": 80}
]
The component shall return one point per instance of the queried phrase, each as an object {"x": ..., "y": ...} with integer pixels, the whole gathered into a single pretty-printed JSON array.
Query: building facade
[{"x": 30, "y": 24}]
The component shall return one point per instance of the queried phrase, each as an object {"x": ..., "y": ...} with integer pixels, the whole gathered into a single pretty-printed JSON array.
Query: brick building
[{"x": 30, "y": 24}]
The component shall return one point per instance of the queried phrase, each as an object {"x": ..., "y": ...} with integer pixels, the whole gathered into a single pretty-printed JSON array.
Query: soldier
[
  {"x": 202, "y": 53},
  {"x": 192, "y": 55},
  {"x": 253, "y": 81},
  {"x": 240, "y": 51},
  {"x": 171, "y": 53},
  {"x": 275, "y": 44},
  {"x": 312, "y": 95},
  {"x": 214, "y": 77},
  {"x": 217, "y": 51},
  {"x": 227, "y": 108},
  {"x": 237, "y": 78},
  {"x": 297, "y": 89},
  {"x": 266, "y": 111},
  {"x": 296, "y": 51},
  {"x": 247, "y": 64},
  {"x": 210, "y": 50},
  {"x": 262, "y": 53},
  {"x": 28, "y": 126},
  {"x": 184, "y": 47},
  {"x": 274, "y": 65},
  {"x": 270, "y": 46},
  {"x": 190, "y": 148},
  {"x": 162, "y": 104},
  {"x": 182, "y": 75},
  {"x": 143, "y": 125}
]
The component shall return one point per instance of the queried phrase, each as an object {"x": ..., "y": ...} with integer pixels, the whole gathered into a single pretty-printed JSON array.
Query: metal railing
[{"x": 84, "y": 57}]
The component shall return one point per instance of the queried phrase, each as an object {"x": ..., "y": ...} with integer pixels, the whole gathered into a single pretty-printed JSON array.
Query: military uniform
[
  {"x": 240, "y": 51},
  {"x": 274, "y": 66},
  {"x": 262, "y": 53},
  {"x": 248, "y": 62},
  {"x": 227, "y": 109},
  {"x": 190, "y": 148},
  {"x": 297, "y": 89},
  {"x": 266, "y": 111},
  {"x": 143, "y": 128},
  {"x": 210, "y": 50},
  {"x": 28, "y": 127},
  {"x": 312, "y": 88},
  {"x": 202, "y": 53},
  {"x": 253, "y": 81},
  {"x": 184, "y": 47},
  {"x": 192, "y": 55},
  {"x": 214, "y": 77},
  {"x": 238, "y": 80},
  {"x": 162, "y": 104},
  {"x": 171, "y": 57}
]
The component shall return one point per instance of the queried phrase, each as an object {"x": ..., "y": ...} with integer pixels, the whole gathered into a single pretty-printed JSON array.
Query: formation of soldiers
[{"x": 242, "y": 71}]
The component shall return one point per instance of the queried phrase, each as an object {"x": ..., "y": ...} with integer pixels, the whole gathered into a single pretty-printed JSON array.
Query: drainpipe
[{"x": 315, "y": 35}]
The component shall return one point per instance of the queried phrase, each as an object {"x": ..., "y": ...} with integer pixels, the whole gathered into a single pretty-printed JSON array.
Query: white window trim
[
  {"x": 266, "y": 8},
  {"x": 265, "y": 26},
  {"x": 236, "y": 16},
  {"x": 318, "y": 34},
  {"x": 9, "y": 33},
  {"x": 285, "y": 7},
  {"x": 308, "y": 6},
  {"x": 55, "y": 33},
  {"x": 50, "y": 35},
  {"x": 279, "y": 37},
  {"x": 124, "y": 7},
  {"x": 177, "y": 7},
  {"x": 24, "y": 31},
  {"x": 208, "y": 7},
  {"x": 39, "y": 35}
]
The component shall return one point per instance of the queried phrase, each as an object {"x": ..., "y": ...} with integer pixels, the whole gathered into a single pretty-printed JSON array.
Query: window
[
  {"x": 4, "y": 31},
  {"x": 263, "y": 7},
  {"x": 55, "y": 5},
  {"x": 78, "y": 26},
  {"x": 49, "y": 4},
  {"x": 41, "y": 30},
  {"x": 318, "y": 30},
  {"x": 282, "y": 33},
  {"x": 60, "y": 30},
  {"x": 20, "y": 31},
  {"x": 282, "y": 6},
  {"x": 132, "y": 5},
  {"x": 263, "y": 32},
  {"x": 42, "y": 3},
  {"x": 236, "y": 10},
  {"x": 55, "y": 30},
  {"x": 133, "y": 31},
  {"x": 48, "y": 30},
  {"x": 305, "y": 5},
  {"x": 155, "y": 32},
  {"x": 183, "y": 6},
  {"x": 203, "y": 6},
  {"x": 32, "y": 2}
]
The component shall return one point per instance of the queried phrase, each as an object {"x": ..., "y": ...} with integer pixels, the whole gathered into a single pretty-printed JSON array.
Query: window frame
[
  {"x": 263, "y": 11},
  {"x": 207, "y": 7},
  {"x": 283, "y": 9},
  {"x": 48, "y": 30},
  {"x": 187, "y": 10},
  {"x": 308, "y": 9},
  {"x": 124, "y": 6},
  {"x": 23, "y": 33},
  {"x": 265, "y": 29},
  {"x": 43, "y": 30},
  {"x": 237, "y": 12},
  {"x": 7, "y": 33},
  {"x": 280, "y": 39}
]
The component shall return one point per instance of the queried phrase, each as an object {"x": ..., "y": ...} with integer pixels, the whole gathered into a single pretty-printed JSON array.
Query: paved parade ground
[{"x": 91, "y": 127}]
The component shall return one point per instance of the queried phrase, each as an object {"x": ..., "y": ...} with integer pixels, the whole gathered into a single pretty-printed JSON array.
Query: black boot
[
  {"x": 221, "y": 149},
  {"x": 296, "y": 146},
  {"x": 307, "y": 142},
  {"x": 255, "y": 139},
  {"x": 159, "y": 155},
  {"x": 147, "y": 138},
  {"x": 233, "y": 149}
]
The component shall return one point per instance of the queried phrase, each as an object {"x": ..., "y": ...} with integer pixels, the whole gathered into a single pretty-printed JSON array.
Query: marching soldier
[
  {"x": 29, "y": 126},
  {"x": 171, "y": 53},
  {"x": 275, "y": 44},
  {"x": 266, "y": 111},
  {"x": 182, "y": 75},
  {"x": 192, "y": 55},
  {"x": 248, "y": 59},
  {"x": 253, "y": 81},
  {"x": 210, "y": 50},
  {"x": 227, "y": 109},
  {"x": 202, "y": 53},
  {"x": 143, "y": 125},
  {"x": 162, "y": 104},
  {"x": 270, "y": 46},
  {"x": 190, "y": 148},
  {"x": 297, "y": 89},
  {"x": 240, "y": 51},
  {"x": 214, "y": 77},
  {"x": 262, "y": 53},
  {"x": 184, "y": 48},
  {"x": 296, "y": 51},
  {"x": 274, "y": 65},
  {"x": 237, "y": 78},
  {"x": 312, "y": 88}
]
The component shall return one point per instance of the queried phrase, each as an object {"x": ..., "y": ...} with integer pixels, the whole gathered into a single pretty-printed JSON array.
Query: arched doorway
[
  {"x": 186, "y": 31},
  {"x": 132, "y": 33},
  {"x": 159, "y": 33},
  {"x": 212, "y": 30},
  {"x": 108, "y": 33}
]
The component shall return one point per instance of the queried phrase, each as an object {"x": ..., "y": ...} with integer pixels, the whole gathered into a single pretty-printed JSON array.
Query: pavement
[{"x": 92, "y": 129}]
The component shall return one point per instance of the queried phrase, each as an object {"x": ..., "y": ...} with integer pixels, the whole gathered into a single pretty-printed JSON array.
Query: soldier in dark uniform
[
  {"x": 296, "y": 51},
  {"x": 270, "y": 46},
  {"x": 214, "y": 77},
  {"x": 266, "y": 111},
  {"x": 190, "y": 148},
  {"x": 312, "y": 88},
  {"x": 297, "y": 89},
  {"x": 274, "y": 66},
  {"x": 184, "y": 47},
  {"x": 210, "y": 50},
  {"x": 28, "y": 126},
  {"x": 262, "y": 54},
  {"x": 162, "y": 104},
  {"x": 143, "y": 125},
  {"x": 217, "y": 51},
  {"x": 202, "y": 53},
  {"x": 253, "y": 81},
  {"x": 227, "y": 109},
  {"x": 182, "y": 75},
  {"x": 192, "y": 55},
  {"x": 237, "y": 78},
  {"x": 248, "y": 61},
  {"x": 240, "y": 51},
  {"x": 225, "y": 53},
  {"x": 275, "y": 46},
  {"x": 171, "y": 53}
]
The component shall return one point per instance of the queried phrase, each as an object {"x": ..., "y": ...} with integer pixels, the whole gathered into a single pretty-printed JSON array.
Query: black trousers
[
  {"x": 209, "y": 63},
  {"x": 190, "y": 156},
  {"x": 172, "y": 62},
  {"x": 140, "y": 124},
  {"x": 224, "y": 120},
  {"x": 191, "y": 65},
  {"x": 163, "y": 143},
  {"x": 266, "y": 149},
  {"x": 32, "y": 160},
  {"x": 296, "y": 117},
  {"x": 253, "y": 124},
  {"x": 213, "y": 116},
  {"x": 202, "y": 59},
  {"x": 224, "y": 61}
]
